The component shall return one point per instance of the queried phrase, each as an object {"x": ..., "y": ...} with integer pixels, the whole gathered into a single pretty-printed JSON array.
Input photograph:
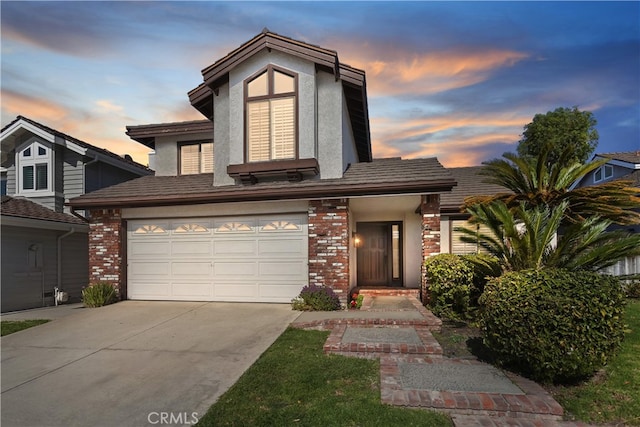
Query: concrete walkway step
[
  {"x": 375, "y": 340},
  {"x": 472, "y": 388},
  {"x": 488, "y": 421}
]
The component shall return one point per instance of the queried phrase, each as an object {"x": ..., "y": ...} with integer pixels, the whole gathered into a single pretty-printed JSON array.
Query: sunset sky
[{"x": 455, "y": 80}]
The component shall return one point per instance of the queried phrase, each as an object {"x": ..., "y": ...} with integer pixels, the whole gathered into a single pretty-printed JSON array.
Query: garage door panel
[
  {"x": 243, "y": 258},
  {"x": 242, "y": 290},
  {"x": 148, "y": 249},
  {"x": 191, "y": 248},
  {"x": 283, "y": 292},
  {"x": 154, "y": 290},
  {"x": 185, "y": 289},
  {"x": 281, "y": 247},
  {"x": 234, "y": 269},
  {"x": 142, "y": 269},
  {"x": 234, "y": 247},
  {"x": 283, "y": 269},
  {"x": 191, "y": 268}
]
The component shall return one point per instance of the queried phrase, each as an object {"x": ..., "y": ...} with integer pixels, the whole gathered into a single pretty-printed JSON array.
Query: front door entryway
[{"x": 379, "y": 253}]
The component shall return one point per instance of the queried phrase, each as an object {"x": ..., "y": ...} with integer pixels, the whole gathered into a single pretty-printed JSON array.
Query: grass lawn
[
  {"x": 11, "y": 326},
  {"x": 294, "y": 383},
  {"x": 613, "y": 395}
]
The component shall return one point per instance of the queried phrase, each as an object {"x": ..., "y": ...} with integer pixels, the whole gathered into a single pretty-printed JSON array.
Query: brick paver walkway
[{"x": 525, "y": 404}]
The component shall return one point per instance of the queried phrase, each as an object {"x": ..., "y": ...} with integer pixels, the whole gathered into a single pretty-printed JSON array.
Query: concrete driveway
[{"x": 134, "y": 363}]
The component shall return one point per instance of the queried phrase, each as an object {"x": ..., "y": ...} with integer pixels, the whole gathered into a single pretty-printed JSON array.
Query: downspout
[{"x": 59, "y": 284}]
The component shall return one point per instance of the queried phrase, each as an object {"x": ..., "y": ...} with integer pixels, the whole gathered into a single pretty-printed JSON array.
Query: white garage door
[{"x": 255, "y": 258}]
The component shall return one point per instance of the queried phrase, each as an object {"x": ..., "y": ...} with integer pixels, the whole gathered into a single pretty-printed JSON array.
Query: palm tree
[
  {"x": 538, "y": 182},
  {"x": 525, "y": 237}
]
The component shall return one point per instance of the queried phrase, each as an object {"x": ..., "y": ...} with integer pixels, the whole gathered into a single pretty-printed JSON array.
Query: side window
[
  {"x": 196, "y": 157},
  {"x": 34, "y": 166}
]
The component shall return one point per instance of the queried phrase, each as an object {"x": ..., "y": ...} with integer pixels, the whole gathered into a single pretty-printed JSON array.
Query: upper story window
[
  {"x": 602, "y": 173},
  {"x": 196, "y": 157},
  {"x": 271, "y": 123},
  {"x": 35, "y": 172}
]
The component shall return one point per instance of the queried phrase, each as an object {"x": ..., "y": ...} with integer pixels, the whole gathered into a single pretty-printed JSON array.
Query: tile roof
[
  {"x": 470, "y": 183},
  {"x": 24, "y": 208},
  {"x": 146, "y": 134},
  {"x": 80, "y": 143},
  {"x": 384, "y": 176},
  {"x": 627, "y": 156}
]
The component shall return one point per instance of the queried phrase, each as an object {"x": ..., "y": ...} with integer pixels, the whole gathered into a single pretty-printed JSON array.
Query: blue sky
[{"x": 455, "y": 80}]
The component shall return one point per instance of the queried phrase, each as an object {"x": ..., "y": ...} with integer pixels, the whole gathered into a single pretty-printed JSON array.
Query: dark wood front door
[{"x": 378, "y": 254}]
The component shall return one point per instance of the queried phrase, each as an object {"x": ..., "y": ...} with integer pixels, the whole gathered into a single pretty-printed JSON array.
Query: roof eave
[{"x": 288, "y": 193}]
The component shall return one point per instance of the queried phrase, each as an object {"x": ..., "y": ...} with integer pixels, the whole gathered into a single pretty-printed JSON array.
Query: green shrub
[
  {"x": 99, "y": 294},
  {"x": 632, "y": 289},
  {"x": 553, "y": 325},
  {"x": 485, "y": 267},
  {"x": 316, "y": 298},
  {"x": 449, "y": 279}
]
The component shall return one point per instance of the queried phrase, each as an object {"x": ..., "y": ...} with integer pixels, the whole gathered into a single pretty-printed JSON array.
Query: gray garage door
[{"x": 245, "y": 258}]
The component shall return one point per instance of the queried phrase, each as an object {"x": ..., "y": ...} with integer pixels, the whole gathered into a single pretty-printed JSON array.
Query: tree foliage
[
  {"x": 538, "y": 182},
  {"x": 560, "y": 128},
  {"x": 528, "y": 238}
]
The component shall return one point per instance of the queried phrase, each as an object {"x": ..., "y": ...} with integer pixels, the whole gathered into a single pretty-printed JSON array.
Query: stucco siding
[
  {"x": 330, "y": 127},
  {"x": 221, "y": 131},
  {"x": 306, "y": 101}
]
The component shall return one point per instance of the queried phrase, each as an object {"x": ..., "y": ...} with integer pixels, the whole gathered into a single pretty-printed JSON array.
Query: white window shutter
[
  {"x": 258, "y": 130},
  {"x": 189, "y": 159},
  {"x": 206, "y": 157},
  {"x": 283, "y": 128}
]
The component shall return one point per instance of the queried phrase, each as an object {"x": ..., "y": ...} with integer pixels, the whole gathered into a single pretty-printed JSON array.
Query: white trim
[
  {"x": 35, "y": 160},
  {"x": 31, "y": 128}
]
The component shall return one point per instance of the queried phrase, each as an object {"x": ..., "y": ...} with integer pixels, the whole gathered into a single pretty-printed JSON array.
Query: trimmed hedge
[
  {"x": 553, "y": 325},
  {"x": 449, "y": 279},
  {"x": 316, "y": 298},
  {"x": 485, "y": 267}
]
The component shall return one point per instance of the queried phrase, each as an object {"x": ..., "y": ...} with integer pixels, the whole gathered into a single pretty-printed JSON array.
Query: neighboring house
[
  {"x": 623, "y": 166},
  {"x": 470, "y": 183},
  {"x": 42, "y": 246},
  {"x": 275, "y": 190}
]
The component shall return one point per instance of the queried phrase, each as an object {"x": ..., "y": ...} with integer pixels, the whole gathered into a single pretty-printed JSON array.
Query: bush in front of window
[
  {"x": 450, "y": 279},
  {"x": 316, "y": 298}
]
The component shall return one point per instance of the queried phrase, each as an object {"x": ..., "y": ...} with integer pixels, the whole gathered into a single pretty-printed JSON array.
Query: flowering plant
[{"x": 356, "y": 301}]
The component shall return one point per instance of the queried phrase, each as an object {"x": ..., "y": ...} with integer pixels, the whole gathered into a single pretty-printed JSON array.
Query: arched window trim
[{"x": 271, "y": 95}]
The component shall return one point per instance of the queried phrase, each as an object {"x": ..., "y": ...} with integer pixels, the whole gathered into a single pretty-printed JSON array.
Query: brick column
[
  {"x": 430, "y": 210},
  {"x": 106, "y": 248},
  {"x": 329, "y": 246}
]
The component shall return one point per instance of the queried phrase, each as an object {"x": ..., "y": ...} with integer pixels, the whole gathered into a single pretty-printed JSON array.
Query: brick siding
[
  {"x": 105, "y": 248},
  {"x": 329, "y": 246},
  {"x": 430, "y": 210}
]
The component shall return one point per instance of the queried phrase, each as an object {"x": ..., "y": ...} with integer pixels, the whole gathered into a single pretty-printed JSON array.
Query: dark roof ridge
[{"x": 76, "y": 141}]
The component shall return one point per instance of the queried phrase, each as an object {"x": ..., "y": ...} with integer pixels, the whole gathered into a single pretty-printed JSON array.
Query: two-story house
[
  {"x": 44, "y": 247},
  {"x": 276, "y": 189}
]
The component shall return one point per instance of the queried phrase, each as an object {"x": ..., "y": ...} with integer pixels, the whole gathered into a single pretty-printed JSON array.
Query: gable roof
[
  {"x": 23, "y": 124},
  {"x": 24, "y": 208},
  {"x": 470, "y": 183},
  {"x": 630, "y": 157},
  {"x": 385, "y": 176},
  {"x": 147, "y": 134},
  {"x": 353, "y": 80}
]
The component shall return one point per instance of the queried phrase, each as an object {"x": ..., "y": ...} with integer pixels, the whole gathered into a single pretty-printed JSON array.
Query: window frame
[
  {"x": 271, "y": 95},
  {"x": 34, "y": 160},
  {"x": 200, "y": 164},
  {"x": 602, "y": 170}
]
